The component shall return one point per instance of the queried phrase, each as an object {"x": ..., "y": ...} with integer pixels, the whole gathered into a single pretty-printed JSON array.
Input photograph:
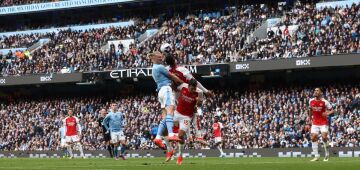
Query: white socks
[
  {"x": 80, "y": 149},
  {"x": 181, "y": 147},
  {"x": 168, "y": 145},
  {"x": 69, "y": 150},
  {"x": 315, "y": 149},
  {"x": 220, "y": 149},
  {"x": 326, "y": 148}
]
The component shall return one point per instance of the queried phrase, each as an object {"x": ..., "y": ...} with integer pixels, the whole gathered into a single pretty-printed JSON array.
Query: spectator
[{"x": 263, "y": 119}]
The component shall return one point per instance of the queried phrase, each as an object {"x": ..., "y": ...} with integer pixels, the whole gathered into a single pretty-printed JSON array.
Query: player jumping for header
[
  {"x": 185, "y": 75},
  {"x": 163, "y": 79}
]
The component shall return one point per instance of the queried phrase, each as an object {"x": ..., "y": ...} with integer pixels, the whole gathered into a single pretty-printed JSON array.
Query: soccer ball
[{"x": 165, "y": 48}]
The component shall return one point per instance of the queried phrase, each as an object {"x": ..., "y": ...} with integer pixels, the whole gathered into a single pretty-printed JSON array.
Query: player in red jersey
[
  {"x": 217, "y": 128},
  {"x": 190, "y": 97},
  {"x": 185, "y": 75},
  {"x": 72, "y": 133},
  {"x": 319, "y": 111}
]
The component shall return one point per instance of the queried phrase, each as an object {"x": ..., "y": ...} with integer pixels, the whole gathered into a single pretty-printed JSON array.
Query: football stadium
[{"x": 180, "y": 84}]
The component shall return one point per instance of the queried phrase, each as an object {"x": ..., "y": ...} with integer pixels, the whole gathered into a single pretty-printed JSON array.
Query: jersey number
[{"x": 186, "y": 122}]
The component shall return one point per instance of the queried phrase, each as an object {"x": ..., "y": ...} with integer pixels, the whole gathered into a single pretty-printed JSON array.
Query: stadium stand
[
  {"x": 262, "y": 118},
  {"x": 324, "y": 31},
  {"x": 199, "y": 39},
  {"x": 253, "y": 118}
]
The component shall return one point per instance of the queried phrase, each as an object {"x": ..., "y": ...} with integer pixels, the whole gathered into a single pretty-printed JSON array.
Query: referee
[{"x": 107, "y": 138}]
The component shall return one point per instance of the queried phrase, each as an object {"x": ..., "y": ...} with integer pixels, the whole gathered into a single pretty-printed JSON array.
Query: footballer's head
[
  {"x": 103, "y": 112},
  {"x": 113, "y": 106},
  {"x": 318, "y": 92},
  {"x": 216, "y": 119},
  {"x": 70, "y": 112},
  {"x": 192, "y": 85},
  {"x": 170, "y": 60},
  {"x": 156, "y": 57}
]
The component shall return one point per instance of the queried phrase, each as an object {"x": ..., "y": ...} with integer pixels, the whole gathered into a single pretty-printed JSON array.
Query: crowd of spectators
[
  {"x": 325, "y": 31},
  {"x": 265, "y": 118},
  {"x": 5, "y": 3},
  {"x": 78, "y": 51},
  {"x": 17, "y": 41},
  {"x": 210, "y": 38},
  {"x": 195, "y": 39}
]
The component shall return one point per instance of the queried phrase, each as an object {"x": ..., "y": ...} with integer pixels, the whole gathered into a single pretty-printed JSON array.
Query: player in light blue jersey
[
  {"x": 63, "y": 144},
  {"x": 114, "y": 124},
  {"x": 164, "y": 79}
]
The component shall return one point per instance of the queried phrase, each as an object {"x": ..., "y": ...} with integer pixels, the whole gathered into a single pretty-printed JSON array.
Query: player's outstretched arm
[{"x": 174, "y": 78}]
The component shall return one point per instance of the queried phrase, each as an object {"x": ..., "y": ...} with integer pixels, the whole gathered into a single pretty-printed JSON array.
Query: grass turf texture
[{"x": 190, "y": 163}]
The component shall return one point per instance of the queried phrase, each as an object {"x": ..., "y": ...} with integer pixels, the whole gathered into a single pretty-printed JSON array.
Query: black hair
[
  {"x": 193, "y": 82},
  {"x": 321, "y": 90},
  {"x": 170, "y": 60}
]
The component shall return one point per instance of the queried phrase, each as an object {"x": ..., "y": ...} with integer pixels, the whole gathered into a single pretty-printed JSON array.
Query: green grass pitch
[{"x": 190, "y": 163}]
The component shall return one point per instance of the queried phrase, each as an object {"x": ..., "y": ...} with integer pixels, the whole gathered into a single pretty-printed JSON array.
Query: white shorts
[
  {"x": 117, "y": 136},
  {"x": 218, "y": 139},
  {"x": 72, "y": 139},
  {"x": 63, "y": 143},
  {"x": 319, "y": 128},
  {"x": 166, "y": 97},
  {"x": 184, "y": 121},
  {"x": 199, "y": 111}
]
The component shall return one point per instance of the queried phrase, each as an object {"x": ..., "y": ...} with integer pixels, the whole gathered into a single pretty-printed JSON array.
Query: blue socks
[
  {"x": 169, "y": 124},
  {"x": 161, "y": 128},
  {"x": 115, "y": 151},
  {"x": 122, "y": 150}
]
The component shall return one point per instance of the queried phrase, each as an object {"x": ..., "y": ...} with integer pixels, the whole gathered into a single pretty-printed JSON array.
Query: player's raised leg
[
  {"x": 196, "y": 123},
  {"x": 161, "y": 130},
  {"x": 170, "y": 107},
  {"x": 163, "y": 79}
]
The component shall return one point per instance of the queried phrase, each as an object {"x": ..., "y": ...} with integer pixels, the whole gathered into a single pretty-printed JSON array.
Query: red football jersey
[
  {"x": 187, "y": 100},
  {"x": 175, "y": 129},
  {"x": 182, "y": 73},
  {"x": 71, "y": 125},
  {"x": 217, "y": 129},
  {"x": 318, "y": 107}
]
